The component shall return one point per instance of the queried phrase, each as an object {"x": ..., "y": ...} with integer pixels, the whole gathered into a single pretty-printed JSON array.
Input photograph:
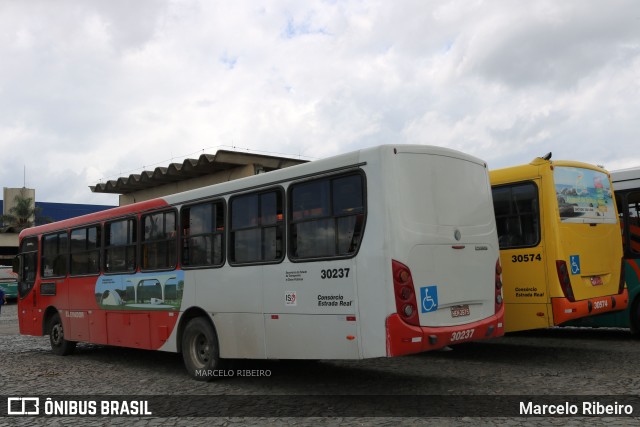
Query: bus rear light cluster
[
  {"x": 406, "y": 304},
  {"x": 407, "y": 310},
  {"x": 498, "y": 282},
  {"x": 565, "y": 280}
]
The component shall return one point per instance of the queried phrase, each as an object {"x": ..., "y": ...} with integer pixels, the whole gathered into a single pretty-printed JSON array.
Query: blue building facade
[
  {"x": 60, "y": 211},
  {"x": 48, "y": 212}
]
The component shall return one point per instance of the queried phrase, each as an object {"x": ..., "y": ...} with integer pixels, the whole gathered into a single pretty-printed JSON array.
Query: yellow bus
[{"x": 560, "y": 243}]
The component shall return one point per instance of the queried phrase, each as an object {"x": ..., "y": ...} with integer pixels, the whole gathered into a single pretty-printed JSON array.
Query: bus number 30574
[{"x": 526, "y": 258}]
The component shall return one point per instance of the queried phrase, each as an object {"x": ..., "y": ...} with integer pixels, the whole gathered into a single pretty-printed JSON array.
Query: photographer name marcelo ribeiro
[
  {"x": 233, "y": 373},
  {"x": 585, "y": 409}
]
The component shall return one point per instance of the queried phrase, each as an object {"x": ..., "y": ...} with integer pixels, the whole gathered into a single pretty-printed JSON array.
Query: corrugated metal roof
[{"x": 206, "y": 164}]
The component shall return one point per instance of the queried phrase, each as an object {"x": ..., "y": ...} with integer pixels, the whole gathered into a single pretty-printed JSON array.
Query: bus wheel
[
  {"x": 59, "y": 345},
  {"x": 200, "y": 349}
]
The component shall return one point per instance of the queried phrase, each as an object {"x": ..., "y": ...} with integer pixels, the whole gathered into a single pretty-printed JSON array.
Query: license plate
[
  {"x": 596, "y": 280},
  {"x": 460, "y": 310}
]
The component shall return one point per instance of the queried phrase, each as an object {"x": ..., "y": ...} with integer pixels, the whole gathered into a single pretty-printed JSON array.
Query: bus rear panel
[
  {"x": 444, "y": 252},
  {"x": 626, "y": 184},
  {"x": 560, "y": 243}
]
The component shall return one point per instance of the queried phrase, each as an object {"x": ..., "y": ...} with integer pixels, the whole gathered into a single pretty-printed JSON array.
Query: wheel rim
[
  {"x": 201, "y": 350},
  {"x": 57, "y": 334}
]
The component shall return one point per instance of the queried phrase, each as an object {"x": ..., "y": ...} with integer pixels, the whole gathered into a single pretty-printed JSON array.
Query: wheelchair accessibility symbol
[
  {"x": 574, "y": 260},
  {"x": 429, "y": 298}
]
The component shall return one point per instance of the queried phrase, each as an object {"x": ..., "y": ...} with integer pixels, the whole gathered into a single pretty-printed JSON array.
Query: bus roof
[
  {"x": 626, "y": 179},
  {"x": 531, "y": 169}
]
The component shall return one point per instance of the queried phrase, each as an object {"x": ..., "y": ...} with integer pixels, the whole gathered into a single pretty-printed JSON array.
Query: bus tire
[
  {"x": 634, "y": 318},
  {"x": 200, "y": 351},
  {"x": 59, "y": 345}
]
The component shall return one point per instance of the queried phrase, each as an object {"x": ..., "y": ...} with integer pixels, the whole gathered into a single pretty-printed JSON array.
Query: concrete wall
[{"x": 9, "y": 195}]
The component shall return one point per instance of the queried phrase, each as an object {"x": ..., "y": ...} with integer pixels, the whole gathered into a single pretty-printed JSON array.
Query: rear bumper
[
  {"x": 403, "y": 338},
  {"x": 565, "y": 310}
]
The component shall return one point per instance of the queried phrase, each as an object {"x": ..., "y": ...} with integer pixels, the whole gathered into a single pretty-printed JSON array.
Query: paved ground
[{"x": 556, "y": 363}]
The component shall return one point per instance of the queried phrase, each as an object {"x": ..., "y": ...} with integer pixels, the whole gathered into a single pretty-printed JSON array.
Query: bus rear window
[{"x": 583, "y": 195}]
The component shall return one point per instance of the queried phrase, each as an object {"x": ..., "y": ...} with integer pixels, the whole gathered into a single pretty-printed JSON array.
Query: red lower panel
[
  {"x": 406, "y": 339},
  {"x": 565, "y": 310}
]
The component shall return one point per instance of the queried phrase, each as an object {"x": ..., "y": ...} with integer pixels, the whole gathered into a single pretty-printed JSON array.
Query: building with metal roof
[{"x": 206, "y": 170}]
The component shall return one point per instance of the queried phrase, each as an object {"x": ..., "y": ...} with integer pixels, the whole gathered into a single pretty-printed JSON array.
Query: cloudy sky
[{"x": 95, "y": 90}]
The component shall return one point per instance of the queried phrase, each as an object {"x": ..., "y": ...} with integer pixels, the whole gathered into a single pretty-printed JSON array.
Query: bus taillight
[
  {"x": 498, "y": 281},
  {"x": 565, "y": 280},
  {"x": 406, "y": 304}
]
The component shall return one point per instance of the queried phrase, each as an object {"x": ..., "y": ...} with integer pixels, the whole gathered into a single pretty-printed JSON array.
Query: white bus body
[
  {"x": 626, "y": 179},
  {"x": 419, "y": 199}
]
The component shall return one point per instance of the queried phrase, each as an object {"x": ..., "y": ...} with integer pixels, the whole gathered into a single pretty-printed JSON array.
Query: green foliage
[{"x": 21, "y": 214}]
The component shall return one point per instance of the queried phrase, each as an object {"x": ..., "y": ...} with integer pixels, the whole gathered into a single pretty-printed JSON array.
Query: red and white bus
[{"x": 381, "y": 252}]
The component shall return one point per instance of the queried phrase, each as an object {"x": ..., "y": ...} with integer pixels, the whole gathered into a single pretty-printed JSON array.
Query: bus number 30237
[
  {"x": 462, "y": 335},
  {"x": 335, "y": 273}
]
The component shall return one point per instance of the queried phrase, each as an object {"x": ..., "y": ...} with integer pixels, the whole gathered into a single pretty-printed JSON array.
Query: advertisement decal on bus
[
  {"x": 141, "y": 291},
  {"x": 583, "y": 194}
]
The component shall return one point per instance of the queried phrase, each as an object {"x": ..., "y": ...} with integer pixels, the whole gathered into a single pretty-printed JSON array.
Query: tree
[{"x": 23, "y": 212}]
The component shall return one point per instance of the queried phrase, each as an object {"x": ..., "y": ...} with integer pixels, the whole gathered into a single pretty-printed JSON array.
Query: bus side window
[
  {"x": 120, "y": 246},
  {"x": 85, "y": 251},
  {"x": 517, "y": 215},
  {"x": 633, "y": 221},
  {"x": 310, "y": 200},
  {"x": 347, "y": 195},
  {"x": 327, "y": 217},
  {"x": 203, "y": 234},
  {"x": 159, "y": 241},
  {"x": 27, "y": 274},
  {"x": 348, "y": 207},
  {"x": 54, "y": 255},
  {"x": 256, "y": 227}
]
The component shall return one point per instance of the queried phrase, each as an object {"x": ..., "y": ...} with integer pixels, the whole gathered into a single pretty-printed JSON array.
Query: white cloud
[{"x": 95, "y": 90}]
